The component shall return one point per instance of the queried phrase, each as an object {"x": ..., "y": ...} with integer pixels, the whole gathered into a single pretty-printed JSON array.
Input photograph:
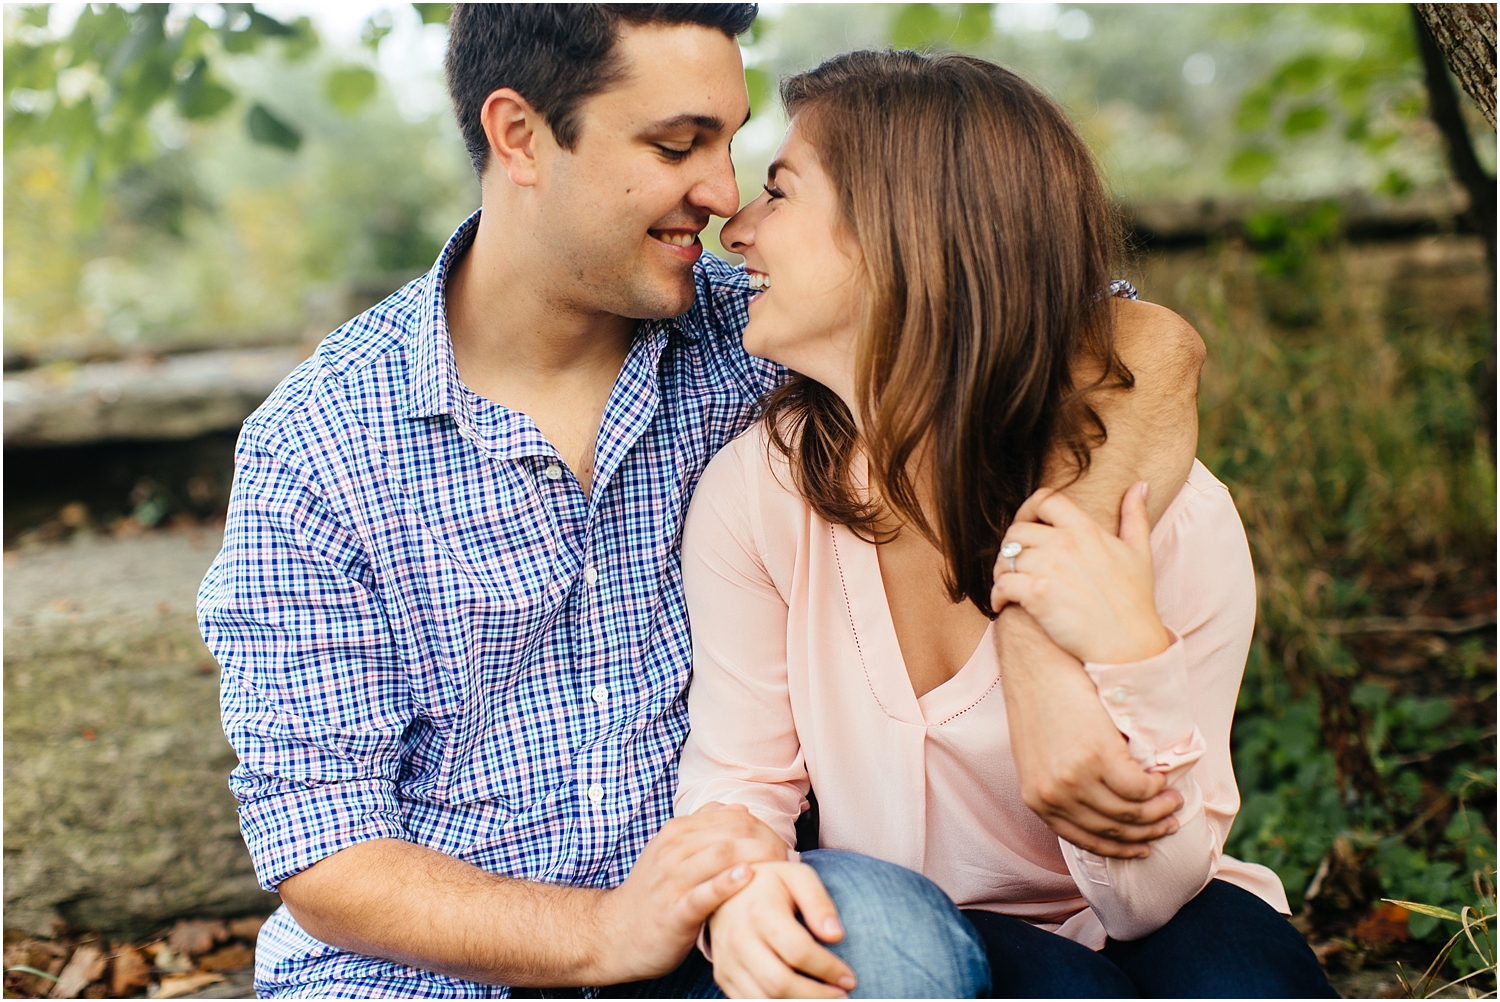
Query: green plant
[{"x": 1474, "y": 929}]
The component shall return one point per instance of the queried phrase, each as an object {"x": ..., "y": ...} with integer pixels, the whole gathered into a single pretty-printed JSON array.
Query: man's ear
[{"x": 512, "y": 126}]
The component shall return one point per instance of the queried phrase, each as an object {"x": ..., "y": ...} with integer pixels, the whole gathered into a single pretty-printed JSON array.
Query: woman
[{"x": 932, "y": 255}]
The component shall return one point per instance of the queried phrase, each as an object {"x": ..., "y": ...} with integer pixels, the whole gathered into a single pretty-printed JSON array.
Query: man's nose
[{"x": 718, "y": 192}]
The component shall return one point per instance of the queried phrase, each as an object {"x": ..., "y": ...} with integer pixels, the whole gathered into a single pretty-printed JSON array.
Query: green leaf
[
  {"x": 1421, "y": 909},
  {"x": 1302, "y": 74},
  {"x": 917, "y": 25},
  {"x": 302, "y": 41},
  {"x": 376, "y": 27},
  {"x": 349, "y": 88},
  {"x": 1304, "y": 119},
  {"x": 268, "y": 129},
  {"x": 199, "y": 95},
  {"x": 1255, "y": 110},
  {"x": 434, "y": 13},
  {"x": 1251, "y": 165}
]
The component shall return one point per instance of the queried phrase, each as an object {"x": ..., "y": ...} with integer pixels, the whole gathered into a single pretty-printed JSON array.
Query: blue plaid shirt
[{"x": 428, "y": 632}]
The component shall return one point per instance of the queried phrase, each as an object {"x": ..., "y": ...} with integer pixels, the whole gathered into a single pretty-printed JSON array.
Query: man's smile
[{"x": 682, "y": 244}]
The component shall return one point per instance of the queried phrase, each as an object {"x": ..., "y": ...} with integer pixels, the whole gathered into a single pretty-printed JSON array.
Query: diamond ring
[{"x": 1010, "y": 551}]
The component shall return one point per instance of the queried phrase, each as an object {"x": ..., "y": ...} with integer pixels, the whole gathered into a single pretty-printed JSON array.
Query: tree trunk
[
  {"x": 1470, "y": 51},
  {"x": 1465, "y": 32}
]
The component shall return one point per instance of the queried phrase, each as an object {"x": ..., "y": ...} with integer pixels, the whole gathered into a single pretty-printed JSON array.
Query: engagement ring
[{"x": 1010, "y": 551}]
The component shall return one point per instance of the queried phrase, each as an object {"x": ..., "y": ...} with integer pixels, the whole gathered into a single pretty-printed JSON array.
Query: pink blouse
[{"x": 798, "y": 680}]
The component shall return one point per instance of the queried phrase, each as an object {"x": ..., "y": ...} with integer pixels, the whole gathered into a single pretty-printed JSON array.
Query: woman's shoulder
[
  {"x": 1202, "y": 556},
  {"x": 751, "y": 464},
  {"x": 1203, "y": 505}
]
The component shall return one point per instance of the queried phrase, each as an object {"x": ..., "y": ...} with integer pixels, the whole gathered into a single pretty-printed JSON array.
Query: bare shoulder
[{"x": 1156, "y": 343}]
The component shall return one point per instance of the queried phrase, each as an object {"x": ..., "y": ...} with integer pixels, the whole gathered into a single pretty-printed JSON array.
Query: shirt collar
[{"x": 432, "y": 379}]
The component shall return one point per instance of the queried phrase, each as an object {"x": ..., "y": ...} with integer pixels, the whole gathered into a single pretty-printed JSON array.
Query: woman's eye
[
  {"x": 775, "y": 193},
  {"x": 674, "y": 154}
]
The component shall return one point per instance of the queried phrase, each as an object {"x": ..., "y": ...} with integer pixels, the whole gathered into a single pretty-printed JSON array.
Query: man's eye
[{"x": 672, "y": 153}]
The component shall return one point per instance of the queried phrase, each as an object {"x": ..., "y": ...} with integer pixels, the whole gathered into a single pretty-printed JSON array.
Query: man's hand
[
  {"x": 687, "y": 871},
  {"x": 1076, "y": 772},
  {"x": 417, "y": 906},
  {"x": 762, "y": 951}
]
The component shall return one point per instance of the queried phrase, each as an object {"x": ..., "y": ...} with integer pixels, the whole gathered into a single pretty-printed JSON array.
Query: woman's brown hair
[{"x": 986, "y": 238}]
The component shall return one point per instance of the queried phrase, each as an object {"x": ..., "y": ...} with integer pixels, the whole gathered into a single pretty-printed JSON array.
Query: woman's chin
[{"x": 757, "y": 340}]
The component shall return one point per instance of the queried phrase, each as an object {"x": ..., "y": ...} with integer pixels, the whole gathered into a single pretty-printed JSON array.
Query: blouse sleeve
[
  {"x": 742, "y": 746},
  {"x": 1176, "y": 709}
]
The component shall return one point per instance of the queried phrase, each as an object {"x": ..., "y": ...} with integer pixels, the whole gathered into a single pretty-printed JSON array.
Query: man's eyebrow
[{"x": 708, "y": 123}]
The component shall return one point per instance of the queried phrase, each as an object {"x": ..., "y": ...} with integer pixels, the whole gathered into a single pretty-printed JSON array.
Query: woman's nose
[{"x": 738, "y": 234}]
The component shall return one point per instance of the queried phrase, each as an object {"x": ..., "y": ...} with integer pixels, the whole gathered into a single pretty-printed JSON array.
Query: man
[{"x": 448, "y": 608}]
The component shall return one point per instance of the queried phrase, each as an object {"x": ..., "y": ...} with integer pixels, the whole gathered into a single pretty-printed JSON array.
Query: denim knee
[{"x": 902, "y": 935}]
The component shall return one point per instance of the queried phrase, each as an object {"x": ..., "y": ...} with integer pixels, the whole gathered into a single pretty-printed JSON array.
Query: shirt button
[
  {"x": 600, "y": 694},
  {"x": 596, "y": 793},
  {"x": 590, "y": 575},
  {"x": 553, "y": 472},
  {"x": 1118, "y": 696}
]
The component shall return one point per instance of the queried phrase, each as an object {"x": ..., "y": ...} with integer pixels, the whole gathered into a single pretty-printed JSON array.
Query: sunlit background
[{"x": 195, "y": 195}]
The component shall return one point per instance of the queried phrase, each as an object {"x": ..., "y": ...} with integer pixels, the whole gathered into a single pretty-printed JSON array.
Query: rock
[
  {"x": 180, "y": 396},
  {"x": 117, "y": 813}
]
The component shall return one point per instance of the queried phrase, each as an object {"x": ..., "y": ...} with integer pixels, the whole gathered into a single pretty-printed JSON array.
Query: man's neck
[{"x": 515, "y": 342}]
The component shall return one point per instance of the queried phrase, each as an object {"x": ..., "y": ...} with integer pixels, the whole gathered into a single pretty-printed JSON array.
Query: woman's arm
[
  {"x": 743, "y": 748},
  {"x": 1170, "y": 693}
]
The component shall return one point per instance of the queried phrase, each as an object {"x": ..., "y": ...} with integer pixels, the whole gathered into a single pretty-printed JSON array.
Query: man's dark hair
[{"x": 555, "y": 55}]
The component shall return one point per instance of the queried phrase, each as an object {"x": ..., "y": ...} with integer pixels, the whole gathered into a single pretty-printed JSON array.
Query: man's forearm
[{"x": 414, "y": 905}]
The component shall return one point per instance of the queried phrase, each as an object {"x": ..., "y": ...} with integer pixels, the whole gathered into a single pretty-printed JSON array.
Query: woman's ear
[{"x": 512, "y": 127}]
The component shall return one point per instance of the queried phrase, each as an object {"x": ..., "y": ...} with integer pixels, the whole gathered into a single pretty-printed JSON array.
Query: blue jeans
[
  {"x": 902, "y": 936},
  {"x": 1225, "y": 943}
]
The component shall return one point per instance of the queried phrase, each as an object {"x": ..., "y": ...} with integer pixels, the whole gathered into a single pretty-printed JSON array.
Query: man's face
[{"x": 622, "y": 211}]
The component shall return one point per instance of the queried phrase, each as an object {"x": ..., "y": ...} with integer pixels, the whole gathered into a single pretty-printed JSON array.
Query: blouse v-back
[{"x": 799, "y": 682}]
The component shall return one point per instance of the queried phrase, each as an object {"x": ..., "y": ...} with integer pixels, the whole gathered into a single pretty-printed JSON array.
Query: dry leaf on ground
[
  {"x": 86, "y": 966},
  {"x": 175, "y": 986},
  {"x": 130, "y": 973},
  {"x": 243, "y": 928},
  {"x": 234, "y": 957},
  {"x": 197, "y": 936}
]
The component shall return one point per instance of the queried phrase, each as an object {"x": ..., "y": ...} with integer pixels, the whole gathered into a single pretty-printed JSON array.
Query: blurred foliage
[
  {"x": 213, "y": 235},
  {"x": 1366, "y": 89},
  {"x": 1337, "y": 403},
  {"x": 92, "y": 93},
  {"x": 1294, "y": 100}
]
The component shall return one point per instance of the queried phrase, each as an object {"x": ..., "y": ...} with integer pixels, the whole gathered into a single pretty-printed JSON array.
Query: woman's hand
[
  {"x": 761, "y": 950},
  {"x": 1091, "y": 592}
]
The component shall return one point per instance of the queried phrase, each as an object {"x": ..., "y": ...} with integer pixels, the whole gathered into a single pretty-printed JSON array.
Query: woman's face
[{"x": 801, "y": 256}]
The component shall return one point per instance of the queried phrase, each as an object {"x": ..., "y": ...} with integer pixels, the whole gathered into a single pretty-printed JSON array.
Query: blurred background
[{"x": 195, "y": 194}]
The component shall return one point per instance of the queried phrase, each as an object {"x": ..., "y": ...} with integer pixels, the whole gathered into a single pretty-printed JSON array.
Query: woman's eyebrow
[{"x": 777, "y": 166}]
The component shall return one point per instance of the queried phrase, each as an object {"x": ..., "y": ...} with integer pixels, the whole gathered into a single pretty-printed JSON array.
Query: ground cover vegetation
[
  {"x": 1338, "y": 405},
  {"x": 1342, "y": 403}
]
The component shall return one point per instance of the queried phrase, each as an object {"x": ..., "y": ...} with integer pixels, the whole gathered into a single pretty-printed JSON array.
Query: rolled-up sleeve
[{"x": 313, "y": 694}]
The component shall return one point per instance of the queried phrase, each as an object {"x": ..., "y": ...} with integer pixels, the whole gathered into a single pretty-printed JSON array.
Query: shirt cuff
[
  {"x": 289, "y": 831},
  {"x": 1149, "y": 704}
]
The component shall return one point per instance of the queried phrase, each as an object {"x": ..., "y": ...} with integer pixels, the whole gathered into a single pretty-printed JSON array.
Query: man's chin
[{"x": 661, "y": 300}]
